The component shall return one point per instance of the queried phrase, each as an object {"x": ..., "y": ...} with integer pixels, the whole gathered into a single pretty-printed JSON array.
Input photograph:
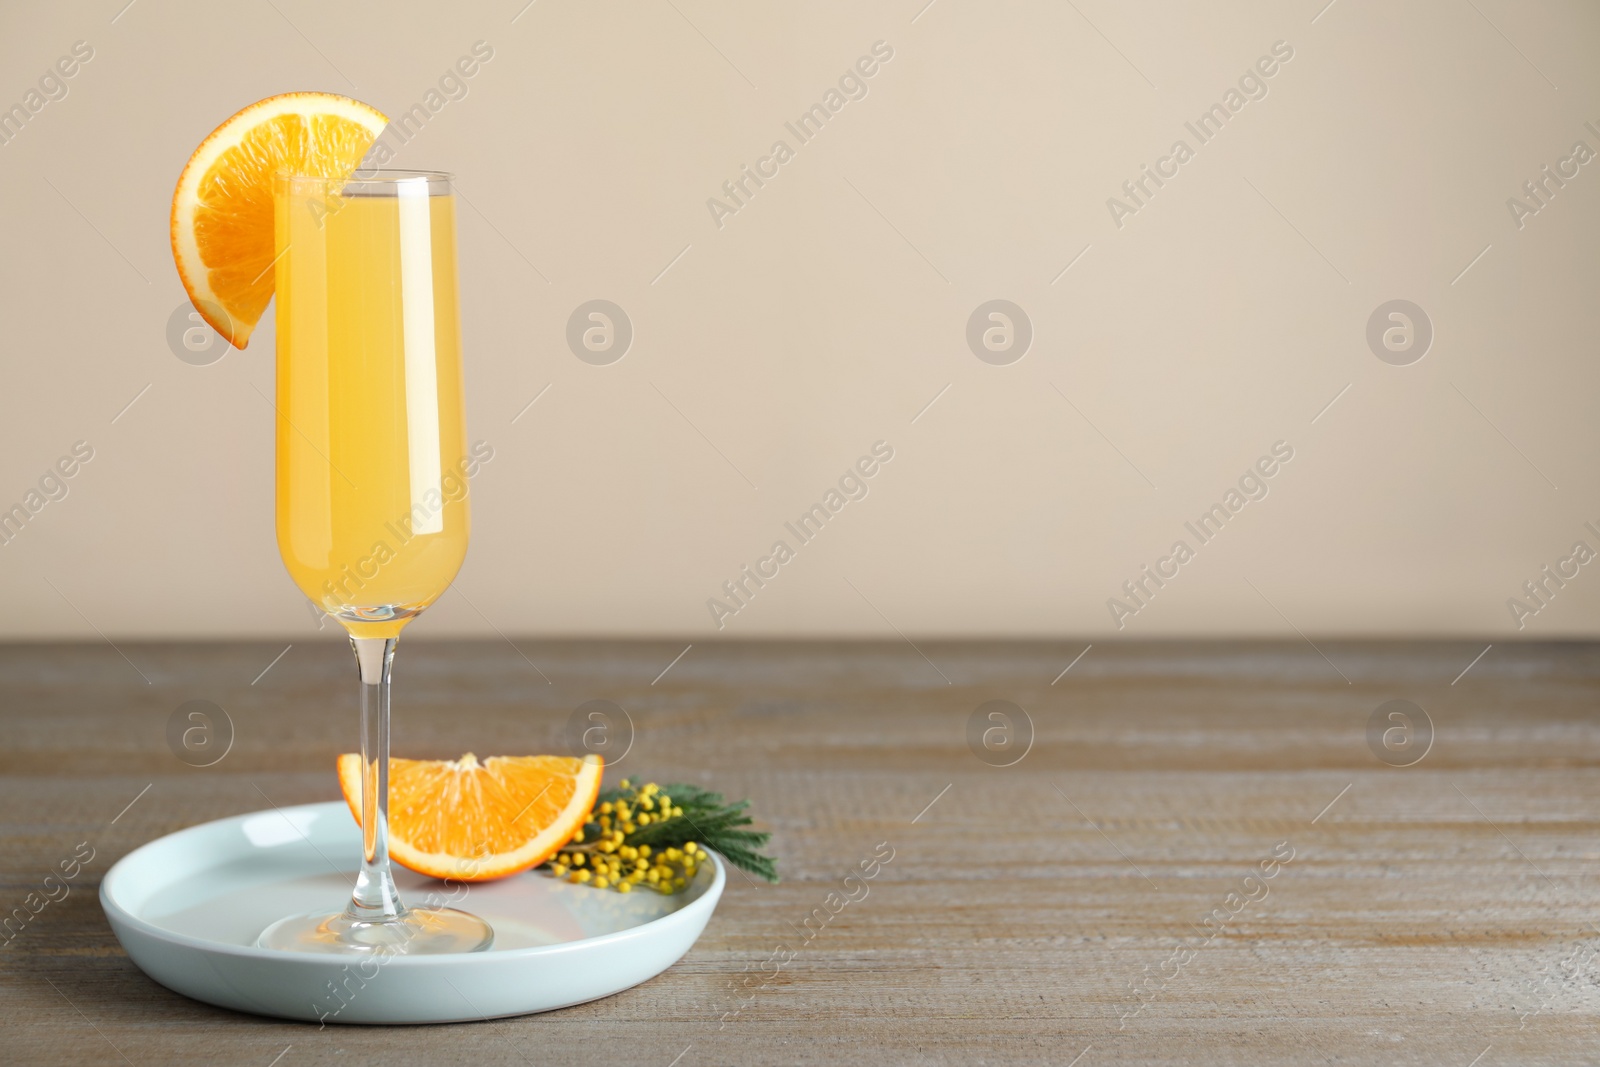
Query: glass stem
[{"x": 375, "y": 898}]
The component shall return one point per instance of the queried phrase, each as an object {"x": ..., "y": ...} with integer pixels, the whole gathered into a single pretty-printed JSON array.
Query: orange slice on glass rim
[
  {"x": 474, "y": 821},
  {"x": 222, "y": 231}
]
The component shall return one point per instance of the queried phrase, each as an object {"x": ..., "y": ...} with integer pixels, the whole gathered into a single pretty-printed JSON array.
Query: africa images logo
[
  {"x": 852, "y": 85},
  {"x": 1252, "y": 86},
  {"x": 852, "y": 485},
  {"x": 1252, "y": 485}
]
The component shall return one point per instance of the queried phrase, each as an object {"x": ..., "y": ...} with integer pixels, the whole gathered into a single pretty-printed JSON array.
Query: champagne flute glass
[{"x": 372, "y": 470}]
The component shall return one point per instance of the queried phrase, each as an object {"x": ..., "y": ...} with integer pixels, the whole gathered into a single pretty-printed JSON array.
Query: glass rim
[{"x": 372, "y": 178}]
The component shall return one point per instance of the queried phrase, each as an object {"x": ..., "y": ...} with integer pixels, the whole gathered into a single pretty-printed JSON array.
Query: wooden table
[{"x": 1440, "y": 913}]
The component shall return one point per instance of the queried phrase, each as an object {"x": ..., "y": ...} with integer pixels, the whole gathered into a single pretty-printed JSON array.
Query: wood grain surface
[{"x": 1102, "y": 897}]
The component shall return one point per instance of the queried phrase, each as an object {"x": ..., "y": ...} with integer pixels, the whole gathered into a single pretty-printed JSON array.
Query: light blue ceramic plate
[{"x": 188, "y": 908}]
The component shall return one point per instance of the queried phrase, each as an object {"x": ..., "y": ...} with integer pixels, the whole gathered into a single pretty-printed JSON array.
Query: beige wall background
[{"x": 1168, "y": 354}]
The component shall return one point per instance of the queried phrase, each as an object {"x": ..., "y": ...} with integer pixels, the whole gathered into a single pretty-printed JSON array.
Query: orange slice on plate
[
  {"x": 475, "y": 822},
  {"x": 222, "y": 232}
]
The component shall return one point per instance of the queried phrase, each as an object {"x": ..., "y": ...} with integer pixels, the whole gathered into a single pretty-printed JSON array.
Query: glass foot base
[{"x": 419, "y": 932}]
